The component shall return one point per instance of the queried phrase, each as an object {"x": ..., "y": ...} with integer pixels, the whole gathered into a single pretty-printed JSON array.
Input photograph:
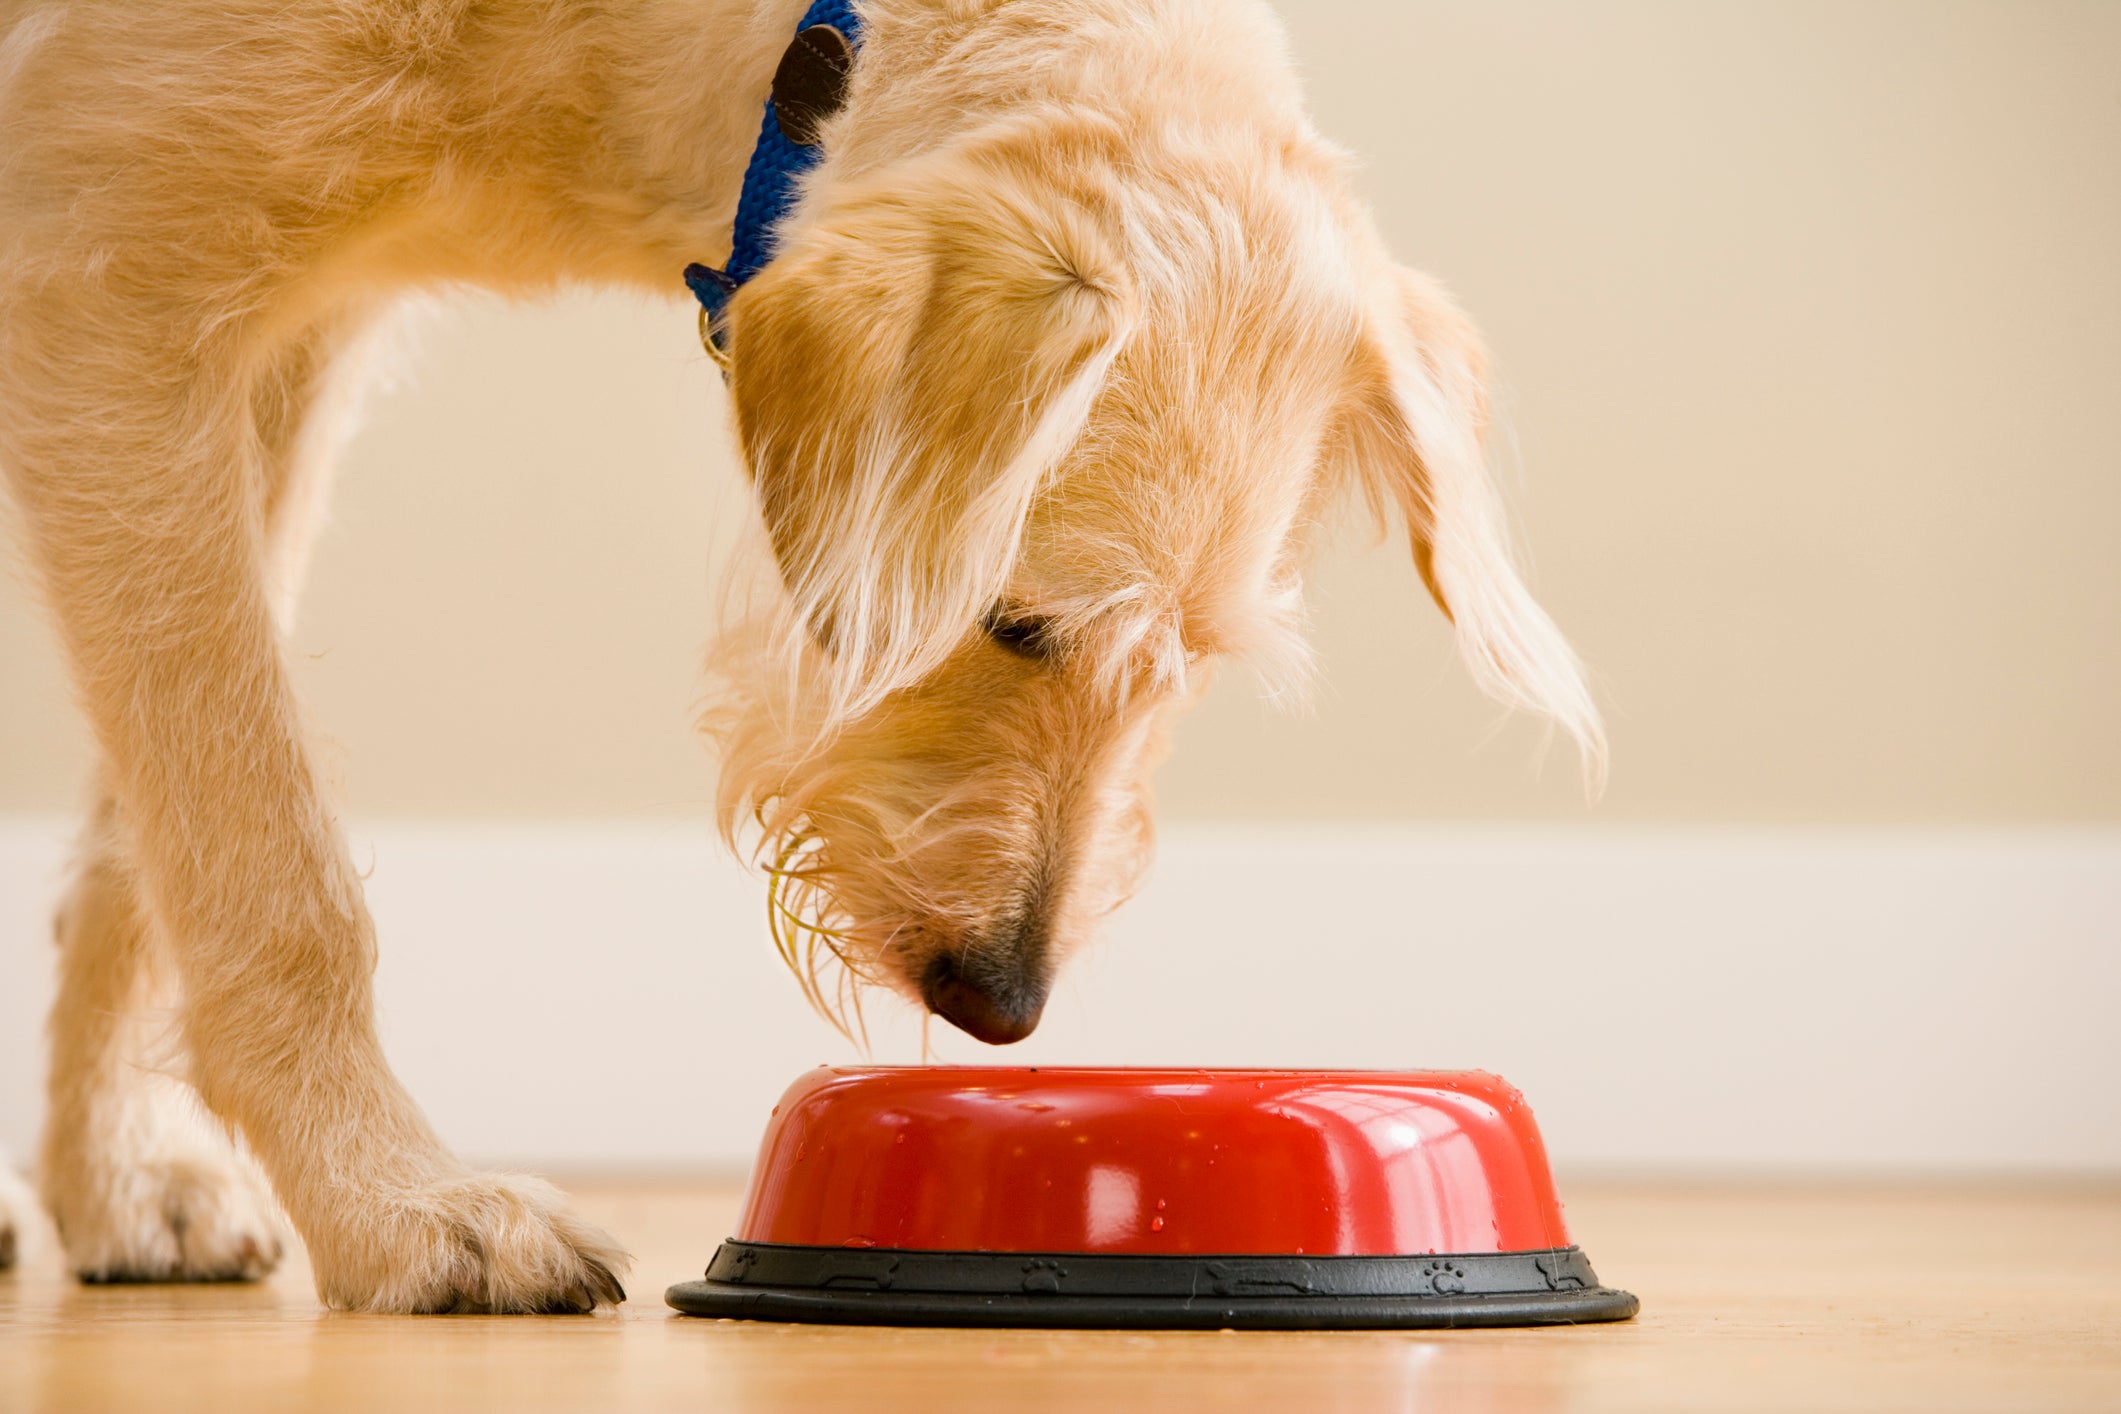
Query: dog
[{"x": 1070, "y": 340}]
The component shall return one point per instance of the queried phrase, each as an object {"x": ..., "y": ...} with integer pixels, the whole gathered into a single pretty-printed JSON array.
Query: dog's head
[{"x": 1040, "y": 424}]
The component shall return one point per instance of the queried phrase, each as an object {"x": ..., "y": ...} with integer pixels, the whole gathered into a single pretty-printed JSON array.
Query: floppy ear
[
  {"x": 906, "y": 372},
  {"x": 1413, "y": 439}
]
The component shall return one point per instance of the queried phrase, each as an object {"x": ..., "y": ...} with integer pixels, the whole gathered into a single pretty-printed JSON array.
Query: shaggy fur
[{"x": 1073, "y": 336}]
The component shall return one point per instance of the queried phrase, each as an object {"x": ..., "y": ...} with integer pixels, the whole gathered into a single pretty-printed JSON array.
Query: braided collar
[{"x": 808, "y": 87}]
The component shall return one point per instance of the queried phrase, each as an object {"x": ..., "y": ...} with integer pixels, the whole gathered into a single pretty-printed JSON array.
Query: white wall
[{"x": 583, "y": 994}]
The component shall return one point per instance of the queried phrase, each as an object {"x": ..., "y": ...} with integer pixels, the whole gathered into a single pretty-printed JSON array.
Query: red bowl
[{"x": 1043, "y": 1196}]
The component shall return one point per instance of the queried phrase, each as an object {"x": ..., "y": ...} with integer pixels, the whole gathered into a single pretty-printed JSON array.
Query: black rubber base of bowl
[{"x": 762, "y": 1281}]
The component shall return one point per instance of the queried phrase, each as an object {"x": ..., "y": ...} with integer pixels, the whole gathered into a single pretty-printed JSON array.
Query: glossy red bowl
[{"x": 1044, "y": 1196}]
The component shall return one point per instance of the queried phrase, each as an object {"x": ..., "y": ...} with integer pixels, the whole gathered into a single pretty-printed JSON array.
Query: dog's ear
[
  {"x": 906, "y": 372},
  {"x": 1412, "y": 437}
]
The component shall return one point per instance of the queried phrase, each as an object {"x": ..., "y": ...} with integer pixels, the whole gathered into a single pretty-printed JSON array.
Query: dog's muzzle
[{"x": 989, "y": 998}]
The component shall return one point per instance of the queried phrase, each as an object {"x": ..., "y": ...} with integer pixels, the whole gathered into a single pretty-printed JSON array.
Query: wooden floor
[{"x": 1753, "y": 1297}]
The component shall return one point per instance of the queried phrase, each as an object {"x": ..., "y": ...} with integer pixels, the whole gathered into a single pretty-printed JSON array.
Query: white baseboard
[{"x": 599, "y": 994}]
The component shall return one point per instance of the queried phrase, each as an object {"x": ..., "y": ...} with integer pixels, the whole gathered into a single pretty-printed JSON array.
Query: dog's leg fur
[
  {"x": 147, "y": 510},
  {"x": 143, "y": 1184}
]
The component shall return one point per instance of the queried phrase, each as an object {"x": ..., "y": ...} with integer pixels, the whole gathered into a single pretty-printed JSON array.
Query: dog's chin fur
[{"x": 1072, "y": 339}]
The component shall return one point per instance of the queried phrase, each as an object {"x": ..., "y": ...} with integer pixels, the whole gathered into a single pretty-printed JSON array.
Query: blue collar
[{"x": 807, "y": 88}]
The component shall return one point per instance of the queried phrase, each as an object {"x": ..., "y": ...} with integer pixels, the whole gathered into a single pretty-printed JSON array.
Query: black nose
[{"x": 987, "y": 998}]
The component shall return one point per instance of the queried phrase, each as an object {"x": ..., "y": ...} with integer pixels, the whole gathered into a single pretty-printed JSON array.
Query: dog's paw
[
  {"x": 18, "y": 1217},
  {"x": 488, "y": 1243},
  {"x": 195, "y": 1218}
]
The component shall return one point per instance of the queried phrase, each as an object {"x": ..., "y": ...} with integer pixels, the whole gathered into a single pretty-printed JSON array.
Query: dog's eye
[{"x": 1026, "y": 635}]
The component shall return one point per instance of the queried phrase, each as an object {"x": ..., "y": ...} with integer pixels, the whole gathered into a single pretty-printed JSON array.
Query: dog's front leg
[{"x": 134, "y": 455}]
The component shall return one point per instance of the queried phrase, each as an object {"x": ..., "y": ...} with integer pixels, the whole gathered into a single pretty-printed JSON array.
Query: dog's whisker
[
  {"x": 798, "y": 907},
  {"x": 784, "y": 938},
  {"x": 798, "y": 949},
  {"x": 808, "y": 926}
]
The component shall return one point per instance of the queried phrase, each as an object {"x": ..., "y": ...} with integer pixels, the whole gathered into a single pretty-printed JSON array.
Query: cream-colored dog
[{"x": 1073, "y": 335}]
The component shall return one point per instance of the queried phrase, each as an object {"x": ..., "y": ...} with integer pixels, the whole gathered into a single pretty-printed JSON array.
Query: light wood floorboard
[{"x": 1755, "y": 1297}]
